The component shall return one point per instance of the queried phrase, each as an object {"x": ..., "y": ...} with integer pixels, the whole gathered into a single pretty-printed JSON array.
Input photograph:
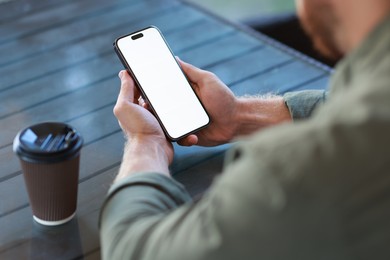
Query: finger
[
  {"x": 137, "y": 93},
  {"x": 127, "y": 87},
  {"x": 193, "y": 73},
  {"x": 141, "y": 101},
  {"x": 188, "y": 140},
  {"x": 146, "y": 106}
]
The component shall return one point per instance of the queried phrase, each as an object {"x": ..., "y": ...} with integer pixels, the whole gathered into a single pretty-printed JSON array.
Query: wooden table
[{"x": 57, "y": 63}]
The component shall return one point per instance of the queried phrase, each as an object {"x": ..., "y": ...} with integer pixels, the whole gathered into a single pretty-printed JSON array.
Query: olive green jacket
[{"x": 314, "y": 189}]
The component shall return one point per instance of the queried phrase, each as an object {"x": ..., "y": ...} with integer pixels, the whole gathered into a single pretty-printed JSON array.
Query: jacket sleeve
[
  {"x": 302, "y": 103},
  {"x": 132, "y": 209}
]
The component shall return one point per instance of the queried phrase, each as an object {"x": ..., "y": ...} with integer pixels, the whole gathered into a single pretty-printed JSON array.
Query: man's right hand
[
  {"x": 230, "y": 116},
  {"x": 220, "y": 103}
]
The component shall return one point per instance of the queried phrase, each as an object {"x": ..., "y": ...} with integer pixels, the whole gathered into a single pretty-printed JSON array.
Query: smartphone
[{"x": 148, "y": 58}]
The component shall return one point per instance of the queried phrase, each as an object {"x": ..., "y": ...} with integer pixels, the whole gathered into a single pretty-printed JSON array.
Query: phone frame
[{"x": 143, "y": 94}]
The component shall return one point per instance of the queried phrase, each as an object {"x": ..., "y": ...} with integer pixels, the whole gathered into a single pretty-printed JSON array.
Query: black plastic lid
[{"x": 47, "y": 142}]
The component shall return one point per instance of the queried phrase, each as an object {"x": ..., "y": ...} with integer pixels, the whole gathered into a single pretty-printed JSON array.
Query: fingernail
[{"x": 120, "y": 74}]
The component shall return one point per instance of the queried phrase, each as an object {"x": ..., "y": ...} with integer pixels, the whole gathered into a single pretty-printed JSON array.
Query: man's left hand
[{"x": 141, "y": 129}]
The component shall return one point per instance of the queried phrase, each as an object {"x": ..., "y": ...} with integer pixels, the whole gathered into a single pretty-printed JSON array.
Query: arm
[
  {"x": 254, "y": 113},
  {"x": 146, "y": 148},
  {"x": 233, "y": 117}
]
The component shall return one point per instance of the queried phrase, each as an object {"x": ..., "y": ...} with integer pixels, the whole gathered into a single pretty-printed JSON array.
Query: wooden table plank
[
  {"x": 195, "y": 35},
  {"x": 320, "y": 83},
  {"x": 67, "y": 16},
  {"x": 27, "y": 90},
  {"x": 212, "y": 53},
  {"x": 279, "y": 80},
  {"x": 87, "y": 45},
  {"x": 254, "y": 62},
  {"x": 72, "y": 45},
  {"x": 13, "y": 10},
  {"x": 71, "y": 59},
  {"x": 59, "y": 108}
]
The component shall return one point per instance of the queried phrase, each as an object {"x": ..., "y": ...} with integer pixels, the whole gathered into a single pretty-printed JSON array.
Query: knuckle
[
  {"x": 124, "y": 82},
  {"x": 208, "y": 73},
  {"x": 117, "y": 110},
  {"x": 208, "y": 77}
]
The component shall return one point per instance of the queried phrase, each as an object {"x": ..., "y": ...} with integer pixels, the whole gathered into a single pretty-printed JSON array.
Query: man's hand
[
  {"x": 134, "y": 119},
  {"x": 231, "y": 117},
  {"x": 220, "y": 103},
  {"x": 147, "y": 149}
]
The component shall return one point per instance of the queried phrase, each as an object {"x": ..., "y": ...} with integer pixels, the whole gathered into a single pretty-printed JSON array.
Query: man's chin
[{"x": 327, "y": 51}]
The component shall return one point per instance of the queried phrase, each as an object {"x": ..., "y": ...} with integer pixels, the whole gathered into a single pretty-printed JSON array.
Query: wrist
[
  {"x": 254, "y": 113},
  {"x": 145, "y": 154}
]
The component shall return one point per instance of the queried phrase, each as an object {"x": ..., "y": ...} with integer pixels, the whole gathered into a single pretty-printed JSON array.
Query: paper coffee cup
[{"x": 49, "y": 155}]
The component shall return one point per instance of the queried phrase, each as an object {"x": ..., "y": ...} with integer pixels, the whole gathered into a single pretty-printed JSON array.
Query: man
[{"x": 313, "y": 189}]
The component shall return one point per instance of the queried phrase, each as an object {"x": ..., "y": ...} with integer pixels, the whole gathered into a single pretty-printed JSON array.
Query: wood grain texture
[{"x": 13, "y": 10}]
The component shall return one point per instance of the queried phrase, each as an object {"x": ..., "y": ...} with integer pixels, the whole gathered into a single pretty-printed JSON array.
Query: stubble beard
[{"x": 322, "y": 27}]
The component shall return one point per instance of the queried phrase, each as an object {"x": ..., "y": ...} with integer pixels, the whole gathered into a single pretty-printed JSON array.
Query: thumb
[
  {"x": 127, "y": 87},
  {"x": 193, "y": 73},
  {"x": 188, "y": 140}
]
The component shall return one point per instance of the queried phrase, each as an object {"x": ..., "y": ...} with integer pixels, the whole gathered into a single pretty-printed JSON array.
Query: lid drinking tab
[{"x": 50, "y": 140}]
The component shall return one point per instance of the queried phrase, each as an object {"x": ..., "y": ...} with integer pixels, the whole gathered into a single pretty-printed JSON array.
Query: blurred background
[
  {"x": 243, "y": 10},
  {"x": 275, "y": 18}
]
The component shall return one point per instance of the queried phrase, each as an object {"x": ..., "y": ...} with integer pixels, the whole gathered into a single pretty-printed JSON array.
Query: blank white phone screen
[{"x": 163, "y": 82}]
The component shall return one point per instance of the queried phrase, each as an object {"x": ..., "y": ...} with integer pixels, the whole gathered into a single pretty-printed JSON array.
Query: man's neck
[{"x": 359, "y": 18}]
